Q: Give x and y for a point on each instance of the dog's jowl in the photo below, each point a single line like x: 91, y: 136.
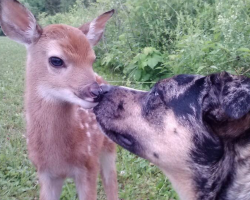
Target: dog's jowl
x: 195, y: 128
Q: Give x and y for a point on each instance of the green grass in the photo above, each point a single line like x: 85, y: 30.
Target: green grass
x: 137, y: 178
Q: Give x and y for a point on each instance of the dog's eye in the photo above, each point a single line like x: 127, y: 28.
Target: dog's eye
x: 56, y: 62
x: 156, y: 94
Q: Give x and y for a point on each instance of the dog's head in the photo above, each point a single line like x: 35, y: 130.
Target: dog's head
x: 182, y: 124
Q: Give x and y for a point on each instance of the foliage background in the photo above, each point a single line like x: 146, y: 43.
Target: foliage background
x: 146, y: 40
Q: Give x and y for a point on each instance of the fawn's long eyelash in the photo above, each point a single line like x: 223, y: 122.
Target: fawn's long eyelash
x: 56, y: 62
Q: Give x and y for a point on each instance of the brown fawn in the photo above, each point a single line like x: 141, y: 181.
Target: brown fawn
x: 63, y: 138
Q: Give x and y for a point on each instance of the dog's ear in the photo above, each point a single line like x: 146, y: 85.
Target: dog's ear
x: 229, y: 95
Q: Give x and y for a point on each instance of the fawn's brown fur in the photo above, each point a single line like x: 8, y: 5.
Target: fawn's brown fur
x: 63, y: 138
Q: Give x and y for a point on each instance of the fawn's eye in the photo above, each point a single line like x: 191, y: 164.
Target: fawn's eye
x: 56, y: 62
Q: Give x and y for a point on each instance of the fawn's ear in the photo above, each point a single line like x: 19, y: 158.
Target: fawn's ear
x: 18, y: 23
x: 94, y: 29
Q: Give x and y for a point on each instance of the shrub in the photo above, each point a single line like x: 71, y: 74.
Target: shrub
x: 148, y: 40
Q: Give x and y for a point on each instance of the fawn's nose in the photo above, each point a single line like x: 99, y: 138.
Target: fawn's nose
x: 95, y: 90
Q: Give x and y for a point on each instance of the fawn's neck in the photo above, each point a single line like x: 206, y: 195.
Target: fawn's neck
x: 48, y: 117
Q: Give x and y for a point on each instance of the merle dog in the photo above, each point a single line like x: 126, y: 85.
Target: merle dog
x: 196, y: 129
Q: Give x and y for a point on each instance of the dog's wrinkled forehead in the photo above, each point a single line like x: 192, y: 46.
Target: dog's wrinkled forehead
x: 181, y: 93
x: 178, y: 85
x: 185, y: 94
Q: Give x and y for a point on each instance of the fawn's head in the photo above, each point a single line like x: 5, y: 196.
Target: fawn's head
x: 60, y: 57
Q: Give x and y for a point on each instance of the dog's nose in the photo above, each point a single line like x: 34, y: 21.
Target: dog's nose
x: 105, y: 88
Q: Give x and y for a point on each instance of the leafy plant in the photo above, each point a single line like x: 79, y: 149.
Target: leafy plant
x: 184, y: 36
x: 145, y: 66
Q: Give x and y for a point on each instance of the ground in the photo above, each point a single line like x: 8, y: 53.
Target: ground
x: 138, y: 179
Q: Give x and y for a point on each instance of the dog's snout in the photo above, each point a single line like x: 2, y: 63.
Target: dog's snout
x: 105, y: 88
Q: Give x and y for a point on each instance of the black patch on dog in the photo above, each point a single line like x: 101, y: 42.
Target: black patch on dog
x: 183, y: 79
x: 120, y: 105
x: 181, y: 105
x: 156, y: 155
x: 153, y: 109
x: 226, y: 183
x: 213, y: 181
x: 208, y: 150
x: 153, y: 101
x: 243, y: 139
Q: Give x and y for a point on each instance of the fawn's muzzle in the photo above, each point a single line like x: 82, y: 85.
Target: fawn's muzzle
x: 99, y: 90
x: 95, y: 90
x: 90, y: 93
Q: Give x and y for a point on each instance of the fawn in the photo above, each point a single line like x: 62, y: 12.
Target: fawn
x: 63, y: 138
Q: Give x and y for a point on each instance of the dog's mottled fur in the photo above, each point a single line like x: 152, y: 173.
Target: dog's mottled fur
x: 195, y: 128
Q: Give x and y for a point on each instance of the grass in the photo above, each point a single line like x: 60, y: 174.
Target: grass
x: 137, y: 178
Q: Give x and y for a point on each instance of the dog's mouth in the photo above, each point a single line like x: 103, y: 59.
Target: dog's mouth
x: 124, y: 140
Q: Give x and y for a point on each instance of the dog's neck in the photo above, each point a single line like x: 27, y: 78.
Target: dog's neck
x: 239, y: 188
x: 228, y: 179
x: 182, y: 183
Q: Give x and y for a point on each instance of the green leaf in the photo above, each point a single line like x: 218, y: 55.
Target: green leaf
x: 214, y: 67
x: 158, y: 57
x: 148, y: 50
x: 173, y: 57
x: 243, y: 49
x: 153, y: 61
x: 146, y: 77
x: 200, y: 69
x: 137, y: 75
x: 122, y: 37
x: 129, y: 68
x: 144, y: 64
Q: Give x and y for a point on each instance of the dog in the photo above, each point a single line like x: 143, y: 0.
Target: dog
x: 196, y: 129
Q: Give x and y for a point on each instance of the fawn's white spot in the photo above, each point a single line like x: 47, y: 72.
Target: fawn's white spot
x: 81, y: 125
x: 86, y: 125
